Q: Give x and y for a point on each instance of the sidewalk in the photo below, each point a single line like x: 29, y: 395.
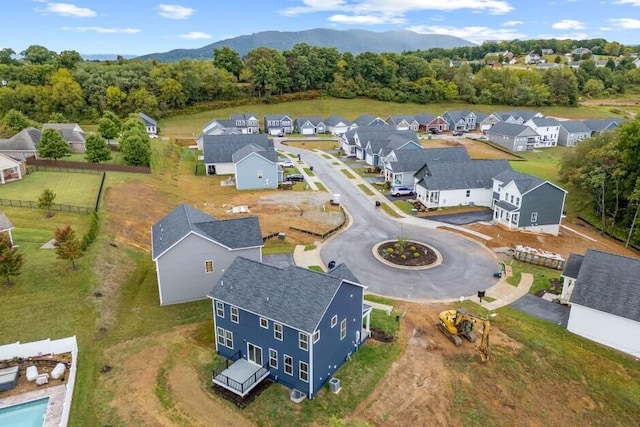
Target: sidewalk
x: 306, y: 259
x: 505, y: 294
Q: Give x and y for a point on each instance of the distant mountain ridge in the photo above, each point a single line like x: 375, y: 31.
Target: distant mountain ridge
x: 354, y: 41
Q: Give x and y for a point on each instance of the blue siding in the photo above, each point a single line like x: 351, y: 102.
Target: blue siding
x: 247, y: 173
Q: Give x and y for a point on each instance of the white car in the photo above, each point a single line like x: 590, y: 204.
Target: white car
x: 401, y: 191
x: 286, y: 163
x: 153, y: 136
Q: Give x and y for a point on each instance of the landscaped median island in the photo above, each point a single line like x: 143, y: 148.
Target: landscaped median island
x: 406, y: 253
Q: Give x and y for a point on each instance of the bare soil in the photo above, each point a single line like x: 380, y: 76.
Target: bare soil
x: 476, y: 149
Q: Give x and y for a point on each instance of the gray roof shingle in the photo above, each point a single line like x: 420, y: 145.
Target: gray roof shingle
x: 461, y: 175
x: 510, y: 129
x: 71, y: 132
x: 574, y: 126
x: 25, y: 140
x: 335, y: 119
x: 5, y: 224
x: 544, y: 121
x: 609, y: 283
x: 414, y: 160
x: 572, y: 266
x: 233, y: 233
x: 524, y: 182
x: 270, y: 155
x: 293, y: 296
x: 314, y: 120
x: 147, y: 120
x: 220, y: 148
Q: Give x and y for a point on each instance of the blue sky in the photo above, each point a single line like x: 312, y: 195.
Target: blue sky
x: 145, y: 26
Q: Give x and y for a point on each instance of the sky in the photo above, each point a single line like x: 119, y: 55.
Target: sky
x: 137, y: 27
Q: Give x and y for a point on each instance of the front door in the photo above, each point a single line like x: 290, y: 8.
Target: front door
x: 254, y: 354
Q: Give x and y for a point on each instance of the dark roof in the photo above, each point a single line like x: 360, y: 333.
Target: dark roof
x: 341, y: 271
x: 523, y: 114
x: 461, y: 175
x: 545, y: 121
x: 524, y: 182
x: 232, y: 233
x: 293, y: 296
x: 335, y: 119
x: 365, y: 119
x: 572, y: 266
x: 481, y: 116
x: 457, y: 115
x: 598, y: 125
x: 314, y: 120
x: 148, y: 120
x: 609, y: 283
x: 413, y: 160
x: 270, y: 155
x: 425, y: 119
x: 276, y: 116
x: 70, y: 132
x: 575, y: 126
x: 395, y: 119
x: 510, y: 129
x: 503, y: 204
x: 220, y: 148
x: 25, y: 140
x: 243, y: 116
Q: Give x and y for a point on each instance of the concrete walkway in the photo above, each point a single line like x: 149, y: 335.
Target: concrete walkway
x: 505, y: 294
x: 306, y: 259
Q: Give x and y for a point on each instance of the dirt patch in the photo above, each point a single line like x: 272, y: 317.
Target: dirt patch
x: 476, y: 149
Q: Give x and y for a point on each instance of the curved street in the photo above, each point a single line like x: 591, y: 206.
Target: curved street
x: 467, y: 267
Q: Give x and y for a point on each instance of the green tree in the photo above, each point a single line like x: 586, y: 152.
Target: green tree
x: 97, y: 149
x: 116, y: 99
x: 67, y: 245
x: 109, y: 125
x: 14, y: 121
x: 268, y: 70
x: 142, y: 100
x: 7, y: 56
x: 135, y: 144
x: 66, y: 94
x: 57, y: 117
x: 228, y: 59
x: 36, y: 54
x: 11, y: 261
x: 52, y: 145
x: 68, y: 59
x: 171, y: 93
x: 46, y: 200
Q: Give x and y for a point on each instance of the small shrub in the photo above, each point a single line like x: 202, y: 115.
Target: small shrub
x: 397, y: 245
x: 413, y: 248
x: 403, y: 256
x: 389, y: 251
x: 416, y: 255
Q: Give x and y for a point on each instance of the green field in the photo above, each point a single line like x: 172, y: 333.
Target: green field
x: 78, y: 189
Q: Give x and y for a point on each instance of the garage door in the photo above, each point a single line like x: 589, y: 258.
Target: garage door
x: 307, y: 131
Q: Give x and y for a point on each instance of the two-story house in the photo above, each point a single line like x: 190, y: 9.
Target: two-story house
x: 460, y: 120
x: 548, y: 130
x: 278, y: 124
x: 571, y: 132
x: 512, y: 136
x: 293, y: 325
x: 246, y: 122
x: 192, y: 250
x: 338, y: 125
x: 532, y: 58
x: 428, y: 122
x: 400, y: 166
x: 309, y: 125
x: 524, y: 202
x: 403, y: 122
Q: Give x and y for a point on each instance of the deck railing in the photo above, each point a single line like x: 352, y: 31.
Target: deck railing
x: 236, y: 385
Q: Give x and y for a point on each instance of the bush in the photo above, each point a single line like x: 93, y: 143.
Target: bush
x: 403, y: 256
x: 92, y: 233
x: 413, y: 248
x: 416, y: 255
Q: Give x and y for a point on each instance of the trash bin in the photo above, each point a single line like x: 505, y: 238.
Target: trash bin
x: 310, y: 168
x: 377, y: 203
x: 281, y: 236
x: 331, y: 265
x: 414, y: 211
x: 429, y: 137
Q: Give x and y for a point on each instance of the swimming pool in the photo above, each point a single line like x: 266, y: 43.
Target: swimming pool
x: 30, y: 414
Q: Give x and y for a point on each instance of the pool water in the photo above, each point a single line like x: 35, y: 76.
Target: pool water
x: 30, y: 414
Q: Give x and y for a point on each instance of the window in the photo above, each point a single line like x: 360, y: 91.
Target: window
x: 334, y: 320
x: 277, y: 331
x: 264, y: 323
x: 343, y: 329
x: 260, y: 174
x: 288, y: 365
x: 303, y: 341
x: 316, y: 337
x: 511, y: 199
x: 208, y: 266
x: 534, y: 217
x: 517, y: 201
x: 220, y: 334
x: 229, y: 338
x: 234, y: 314
x: 220, y: 309
x: 304, y: 371
x: 273, y: 358
x: 468, y: 193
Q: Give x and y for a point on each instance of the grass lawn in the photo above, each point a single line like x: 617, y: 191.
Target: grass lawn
x: 309, y: 171
x: 347, y: 173
x: 321, y: 187
x: 389, y: 211
x: 79, y: 189
x: 541, y: 275
x: 543, y: 163
x: 365, y: 189
x: 404, y: 206
x: 276, y: 246
x: 324, y: 145
x: 116, y: 158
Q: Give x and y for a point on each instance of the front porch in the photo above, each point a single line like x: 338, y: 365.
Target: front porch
x: 241, y: 377
x: 506, y: 214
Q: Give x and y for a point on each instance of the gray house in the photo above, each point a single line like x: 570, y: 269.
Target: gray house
x: 309, y: 125
x: 369, y: 120
x: 605, y: 302
x: 192, y: 250
x: 524, y: 202
x: 460, y: 120
x: 338, y: 125
x: 512, y: 136
x: 602, y: 125
x: 401, y: 165
x: 572, y: 132
x: 22, y: 145
x: 246, y: 122
x: 460, y: 183
x: 251, y: 159
x: 278, y: 124
x: 70, y: 132
x: 404, y: 122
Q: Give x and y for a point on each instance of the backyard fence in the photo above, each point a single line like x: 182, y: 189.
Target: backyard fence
x: 56, y: 207
x: 326, y: 234
x: 104, y: 177
x: 82, y: 167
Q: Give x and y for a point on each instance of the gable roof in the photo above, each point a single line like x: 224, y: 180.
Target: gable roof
x: 147, y: 120
x: 460, y: 175
x: 7, y: 162
x: 71, y: 132
x: 248, y: 149
x: 545, y: 121
x: 314, y: 120
x: 598, y: 125
x: 366, y: 119
x: 572, y: 266
x: 293, y: 296
x: 574, y: 126
x: 276, y: 116
x: 523, y: 182
x: 220, y: 148
x: 233, y: 233
x: 25, y: 140
x: 396, y: 119
x: 608, y: 282
x: 5, y: 224
x: 335, y: 119
x: 425, y: 119
x: 457, y: 115
x: 414, y: 160
x: 525, y: 115
x: 511, y: 129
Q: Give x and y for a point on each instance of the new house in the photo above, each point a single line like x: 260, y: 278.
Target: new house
x: 293, y: 325
x: 338, y: 125
x: 251, y: 159
x: 247, y: 123
x: 524, y: 202
x: 548, y: 130
x: 571, y: 132
x: 309, y: 125
x: 460, y: 120
x: 404, y: 122
x: 192, y: 250
x: 602, y: 125
x: 512, y: 136
x: 468, y: 183
x: 369, y: 120
x: 217, y: 127
x: 400, y: 166
x: 70, y: 132
x: 371, y: 143
x: 605, y: 302
x: 22, y: 145
x: 150, y: 124
x: 427, y: 122
x: 278, y: 124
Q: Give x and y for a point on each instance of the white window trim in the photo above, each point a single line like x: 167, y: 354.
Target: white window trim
x: 303, y: 341
x: 334, y: 321
x: 273, y: 359
x: 300, y: 371
x: 206, y: 268
x: 316, y: 336
x: 534, y: 216
x: 343, y: 329
x: 220, y: 309
x: 229, y: 336
x: 275, y: 331
x: 221, y: 336
x: 264, y: 325
x: 284, y: 364
x: 236, y: 315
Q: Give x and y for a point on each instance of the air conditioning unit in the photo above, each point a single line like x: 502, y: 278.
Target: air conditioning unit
x: 334, y: 385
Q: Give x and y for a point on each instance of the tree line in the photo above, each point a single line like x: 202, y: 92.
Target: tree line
x: 39, y: 82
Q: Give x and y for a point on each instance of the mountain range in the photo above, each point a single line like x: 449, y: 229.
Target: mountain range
x: 354, y: 41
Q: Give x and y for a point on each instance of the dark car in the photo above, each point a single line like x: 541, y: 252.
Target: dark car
x: 458, y: 133
x: 294, y: 177
x: 435, y: 131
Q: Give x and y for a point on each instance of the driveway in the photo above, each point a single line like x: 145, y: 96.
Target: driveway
x: 543, y: 309
x: 463, y: 217
x: 466, y: 268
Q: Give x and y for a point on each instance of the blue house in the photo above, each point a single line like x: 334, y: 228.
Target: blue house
x: 292, y: 325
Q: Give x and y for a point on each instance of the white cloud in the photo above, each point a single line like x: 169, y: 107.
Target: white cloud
x: 68, y: 9
x: 626, y: 23
x: 629, y: 2
x: 476, y: 34
x: 366, y: 19
x: 512, y: 23
x: 174, y: 11
x: 568, y: 24
x: 102, y: 30
x: 194, y: 35
x: 566, y: 36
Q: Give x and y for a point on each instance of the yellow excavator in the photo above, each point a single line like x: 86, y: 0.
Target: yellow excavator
x: 459, y: 323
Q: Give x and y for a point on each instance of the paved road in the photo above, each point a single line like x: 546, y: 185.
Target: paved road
x: 543, y: 309
x: 464, y: 217
x: 466, y: 268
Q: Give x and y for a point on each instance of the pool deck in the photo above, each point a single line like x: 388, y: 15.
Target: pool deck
x: 56, y: 397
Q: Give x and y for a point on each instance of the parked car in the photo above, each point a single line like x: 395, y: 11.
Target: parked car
x: 286, y: 163
x: 401, y: 191
x: 294, y: 177
x: 153, y: 136
x: 435, y: 131
x: 458, y: 133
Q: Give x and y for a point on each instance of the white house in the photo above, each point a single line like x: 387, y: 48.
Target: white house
x: 547, y: 128
x: 605, y: 302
